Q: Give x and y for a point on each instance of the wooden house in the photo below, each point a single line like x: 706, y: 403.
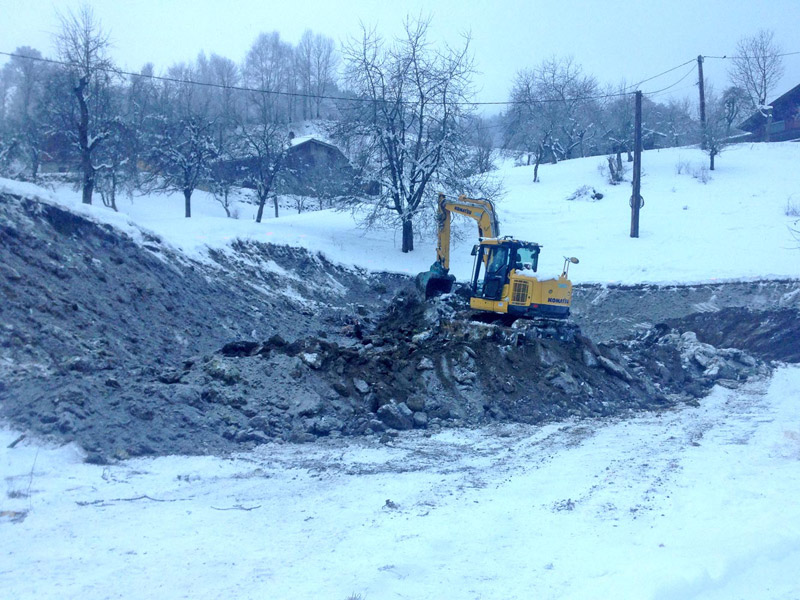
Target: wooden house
x: 785, y: 122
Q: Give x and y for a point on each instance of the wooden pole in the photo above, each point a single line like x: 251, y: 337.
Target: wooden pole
x: 636, y: 197
x: 701, y: 85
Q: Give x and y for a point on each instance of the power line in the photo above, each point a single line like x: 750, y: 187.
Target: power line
x: 238, y: 88
x: 692, y: 70
x: 337, y: 98
x: 636, y: 85
x: 749, y: 57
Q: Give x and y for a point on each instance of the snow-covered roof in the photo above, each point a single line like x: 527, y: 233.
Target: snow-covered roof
x: 304, y: 139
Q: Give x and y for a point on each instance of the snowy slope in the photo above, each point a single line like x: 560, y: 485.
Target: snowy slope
x: 733, y: 226
x: 694, y: 503
x: 690, y: 504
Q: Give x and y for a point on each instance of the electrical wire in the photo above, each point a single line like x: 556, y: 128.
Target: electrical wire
x: 361, y: 99
x: 653, y: 93
x: 749, y: 57
x: 325, y: 97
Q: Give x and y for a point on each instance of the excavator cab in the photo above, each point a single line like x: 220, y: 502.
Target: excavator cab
x: 496, y: 260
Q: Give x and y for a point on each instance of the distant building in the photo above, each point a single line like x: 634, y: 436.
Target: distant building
x: 316, y: 168
x: 785, y: 123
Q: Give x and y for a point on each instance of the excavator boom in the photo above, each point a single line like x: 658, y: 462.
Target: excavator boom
x: 438, y: 280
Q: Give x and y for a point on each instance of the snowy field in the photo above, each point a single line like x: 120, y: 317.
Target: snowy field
x: 693, y: 503
x: 734, y: 226
x: 697, y: 503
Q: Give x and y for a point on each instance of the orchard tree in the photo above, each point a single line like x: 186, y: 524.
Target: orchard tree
x: 757, y: 69
x: 737, y: 103
x: 82, y: 46
x: 716, y: 131
x: 181, y: 137
x: 26, y: 77
x: 408, y: 114
x: 530, y: 124
x: 262, y: 131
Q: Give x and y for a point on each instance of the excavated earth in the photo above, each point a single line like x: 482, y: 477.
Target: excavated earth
x: 129, y: 348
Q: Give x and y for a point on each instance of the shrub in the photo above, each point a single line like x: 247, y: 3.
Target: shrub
x: 792, y: 207
x: 682, y: 166
x: 585, y: 193
x: 701, y: 174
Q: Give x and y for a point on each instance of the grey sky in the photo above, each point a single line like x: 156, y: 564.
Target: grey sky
x: 611, y: 39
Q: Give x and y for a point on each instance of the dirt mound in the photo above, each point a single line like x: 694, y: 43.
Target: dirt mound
x: 129, y: 348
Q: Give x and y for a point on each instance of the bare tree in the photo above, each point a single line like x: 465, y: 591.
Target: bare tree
x: 262, y: 132
x: 408, y: 118
x: 315, y: 60
x: 570, y: 94
x: 482, y: 144
x: 530, y: 123
x: 261, y: 150
x: 82, y: 46
x: 736, y: 103
x: 26, y: 75
x: 674, y: 119
x: 268, y: 67
x: 181, y: 137
x: 715, y: 134
x: 227, y: 107
x: 757, y: 68
x: 324, y: 61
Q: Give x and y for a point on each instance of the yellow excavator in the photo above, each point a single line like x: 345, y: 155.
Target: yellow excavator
x: 504, y: 279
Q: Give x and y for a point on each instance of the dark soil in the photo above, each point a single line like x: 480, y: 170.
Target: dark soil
x: 771, y: 335
x: 129, y: 348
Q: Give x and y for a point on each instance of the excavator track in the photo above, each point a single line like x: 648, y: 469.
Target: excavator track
x: 558, y: 329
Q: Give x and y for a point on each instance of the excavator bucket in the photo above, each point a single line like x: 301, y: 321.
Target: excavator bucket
x: 435, y: 282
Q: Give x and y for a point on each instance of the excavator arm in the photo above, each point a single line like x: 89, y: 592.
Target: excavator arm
x: 481, y: 210
x: 438, y: 279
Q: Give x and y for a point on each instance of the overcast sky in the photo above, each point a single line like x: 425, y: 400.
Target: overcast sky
x: 613, y: 40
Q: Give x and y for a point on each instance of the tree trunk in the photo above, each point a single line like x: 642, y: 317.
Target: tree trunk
x: 767, y: 126
x: 187, y: 197
x: 275, y: 204
x: 408, y: 235
x: 712, y: 154
x: 536, y: 170
x: 261, y: 201
x: 619, y: 162
x: 83, y: 143
x: 88, y: 177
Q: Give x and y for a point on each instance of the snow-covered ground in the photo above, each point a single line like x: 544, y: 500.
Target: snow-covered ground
x: 734, y: 226
x: 692, y: 503
x: 689, y: 504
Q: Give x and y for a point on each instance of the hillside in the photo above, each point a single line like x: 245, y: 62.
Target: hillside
x: 349, y: 440
x: 732, y: 227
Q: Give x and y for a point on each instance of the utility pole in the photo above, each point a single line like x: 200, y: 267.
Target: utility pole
x: 701, y: 84
x: 636, y: 197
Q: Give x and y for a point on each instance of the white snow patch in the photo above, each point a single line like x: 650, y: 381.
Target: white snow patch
x: 696, y: 503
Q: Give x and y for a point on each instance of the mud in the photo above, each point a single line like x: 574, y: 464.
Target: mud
x: 129, y: 348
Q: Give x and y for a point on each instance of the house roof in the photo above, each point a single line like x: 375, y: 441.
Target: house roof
x: 306, y: 139
x: 757, y: 119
